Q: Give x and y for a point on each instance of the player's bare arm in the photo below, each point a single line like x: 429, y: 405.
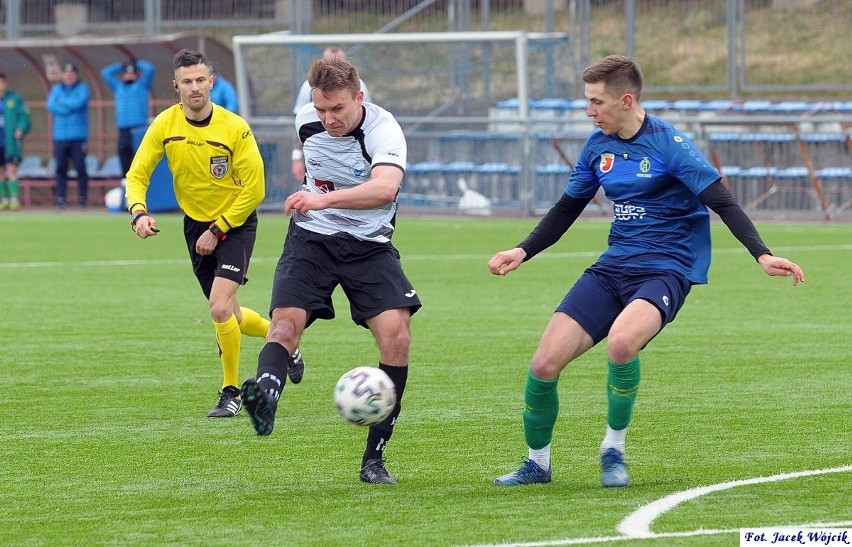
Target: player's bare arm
x: 776, y: 265
x: 382, y: 188
x: 506, y: 261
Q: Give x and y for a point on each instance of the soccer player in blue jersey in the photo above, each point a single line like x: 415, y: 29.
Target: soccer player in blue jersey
x: 660, y: 186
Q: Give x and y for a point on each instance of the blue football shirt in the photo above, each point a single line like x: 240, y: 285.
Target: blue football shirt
x: 653, y: 180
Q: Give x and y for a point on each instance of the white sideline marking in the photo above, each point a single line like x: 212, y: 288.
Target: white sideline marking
x: 411, y: 257
x: 637, y: 525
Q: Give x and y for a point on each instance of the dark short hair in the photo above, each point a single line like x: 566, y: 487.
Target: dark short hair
x: 334, y: 74
x: 3, y: 76
x: 618, y: 73
x: 186, y: 57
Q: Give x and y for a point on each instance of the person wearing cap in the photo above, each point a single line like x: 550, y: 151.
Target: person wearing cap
x: 223, y: 92
x: 131, y: 83
x: 68, y: 101
x: 15, y: 122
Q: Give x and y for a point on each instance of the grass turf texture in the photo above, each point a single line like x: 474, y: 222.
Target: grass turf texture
x: 109, y: 367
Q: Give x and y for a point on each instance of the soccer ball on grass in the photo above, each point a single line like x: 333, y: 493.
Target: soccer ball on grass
x: 365, y: 396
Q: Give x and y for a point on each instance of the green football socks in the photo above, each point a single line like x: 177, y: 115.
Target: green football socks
x: 621, y: 388
x: 541, y: 407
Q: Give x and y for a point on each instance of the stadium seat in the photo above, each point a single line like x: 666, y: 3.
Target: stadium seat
x: 50, y: 168
x: 111, y: 169
x: 32, y: 168
x: 92, y: 164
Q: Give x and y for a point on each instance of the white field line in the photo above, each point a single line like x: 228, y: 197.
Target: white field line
x: 637, y: 525
x: 405, y: 258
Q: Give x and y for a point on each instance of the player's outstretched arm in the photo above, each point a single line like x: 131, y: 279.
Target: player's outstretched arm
x: 776, y: 265
x: 506, y: 261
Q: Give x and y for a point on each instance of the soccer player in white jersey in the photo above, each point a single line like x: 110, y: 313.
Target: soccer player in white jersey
x: 340, y: 234
x: 297, y: 165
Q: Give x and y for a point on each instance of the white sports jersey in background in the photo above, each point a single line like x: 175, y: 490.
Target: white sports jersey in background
x: 338, y: 163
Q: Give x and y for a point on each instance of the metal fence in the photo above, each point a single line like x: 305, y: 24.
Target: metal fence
x: 481, y: 142
x: 495, y: 128
x: 711, y: 47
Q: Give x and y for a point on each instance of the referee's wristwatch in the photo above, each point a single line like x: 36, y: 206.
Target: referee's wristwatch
x: 216, y: 231
x: 136, y: 216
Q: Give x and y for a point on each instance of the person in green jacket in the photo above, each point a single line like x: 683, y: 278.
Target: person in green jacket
x: 14, y: 124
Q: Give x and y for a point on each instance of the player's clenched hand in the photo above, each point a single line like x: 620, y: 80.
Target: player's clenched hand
x: 506, y: 261
x: 303, y: 201
x: 776, y: 265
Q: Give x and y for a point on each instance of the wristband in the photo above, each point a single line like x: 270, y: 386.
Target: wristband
x: 216, y: 231
x: 135, y: 217
x: 296, y: 155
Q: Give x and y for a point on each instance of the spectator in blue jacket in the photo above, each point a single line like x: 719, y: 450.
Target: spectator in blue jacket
x: 223, y: 93
x: 131, y: 83
x: 68, y: 101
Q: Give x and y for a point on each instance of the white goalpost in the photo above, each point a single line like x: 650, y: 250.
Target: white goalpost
x: 480, y: 92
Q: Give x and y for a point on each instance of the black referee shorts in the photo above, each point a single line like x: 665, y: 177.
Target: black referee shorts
x: 313, y: 265
x: 231, y: 257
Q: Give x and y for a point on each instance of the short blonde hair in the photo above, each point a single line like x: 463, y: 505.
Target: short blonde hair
x: 334, y: 74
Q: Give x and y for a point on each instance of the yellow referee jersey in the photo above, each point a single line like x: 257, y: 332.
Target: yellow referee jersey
x: 217, y: 168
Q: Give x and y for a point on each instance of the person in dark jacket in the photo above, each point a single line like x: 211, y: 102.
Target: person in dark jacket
x: 68, y: 101
x: 131, y: 83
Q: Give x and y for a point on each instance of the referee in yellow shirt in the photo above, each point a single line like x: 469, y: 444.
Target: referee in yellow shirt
x: 218, y: 182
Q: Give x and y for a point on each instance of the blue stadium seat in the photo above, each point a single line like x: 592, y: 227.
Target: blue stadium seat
x: 32, y: 168
x: 688, y: 104
x: 92, y: 164
x: 719, y: 105
x: 756, y: 106
x: 656, y: 105
x: 111, y: 169
x: 793, y: 106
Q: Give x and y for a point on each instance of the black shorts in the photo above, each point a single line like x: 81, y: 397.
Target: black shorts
x: 5, y: 160
x: 231, y: 257
x: 313, y: 265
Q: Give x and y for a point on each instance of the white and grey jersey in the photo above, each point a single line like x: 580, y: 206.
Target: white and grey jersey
x: 338, y: 163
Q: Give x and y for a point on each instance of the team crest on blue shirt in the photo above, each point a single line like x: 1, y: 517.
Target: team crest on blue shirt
x: 219, y: 166
x: 607, y: 161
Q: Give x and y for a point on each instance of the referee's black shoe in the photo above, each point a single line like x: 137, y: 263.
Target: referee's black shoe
x: 260, y: 408
x: 297, y: 367
x: 228, y: 405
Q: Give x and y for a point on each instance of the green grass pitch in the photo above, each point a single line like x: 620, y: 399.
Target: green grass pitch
x: 109, y: 367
